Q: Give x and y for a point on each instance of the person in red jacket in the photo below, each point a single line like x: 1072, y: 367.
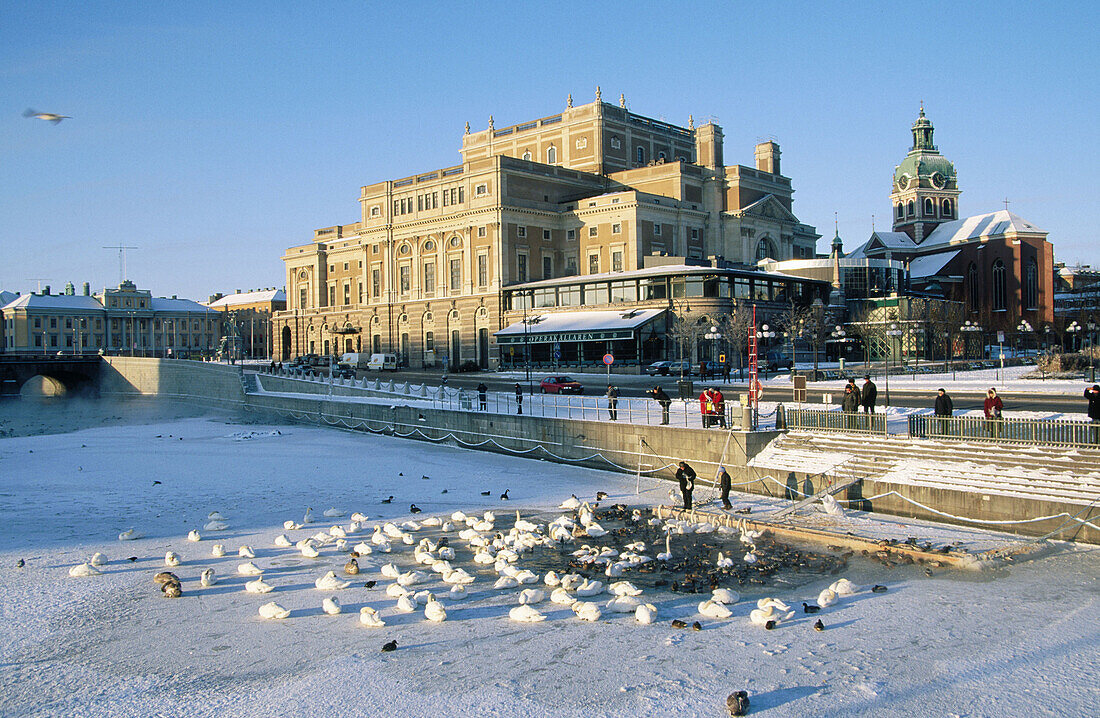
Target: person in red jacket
x: 993, y: 407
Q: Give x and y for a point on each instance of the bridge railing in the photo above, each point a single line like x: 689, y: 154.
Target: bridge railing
x: 849, y: 422
x: 1051, y: 432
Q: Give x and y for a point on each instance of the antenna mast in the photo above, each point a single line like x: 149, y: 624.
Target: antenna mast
x: 121, y: 260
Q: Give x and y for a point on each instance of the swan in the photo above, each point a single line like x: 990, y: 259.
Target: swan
x: 446, y: 553
x: 422, y: 597
x: 308, y: 518
x: 586, y: 611
x: 215, y: 516
x: 396, y: 590
x: 282, y: 541
x: 584, y: 514
x: 83, y: 570
x: 505, y: 582
x: 258, y: 586
x: 831, y: 506
x: 571, y: 581
x: 331, y: 606
x: 309, y: 551
x: 723, y: 561
x: 411, y: 578
x: 384, y: 546
x: 625, y: 588
x: 713, y: 609
x: 532, y: 595
x: 457, y: 592
x: 330, y: 582
x: 844, y: 587
x: 447, y: 527
x: 764, y: 616
x: 334, y: 513
x: 337, y: 532
x: 369, y: 618
x: 362, y: 548
x: 594, y: 530
x: 273, y: 610
x: 571, y: 503
x: 434, y: 611
x: 129, y: 535
x: 432, y: 521
x: 458, y: 517
x: 217, y: 550
x: 406, y: 604
x: 779, y: 605
x: 526, y: 576
x: 193, y: 535
x: 458, y: 577
x: 590, y: 588
x: 215, y: 526
x: 390, y: 570
x: 750, y: 558
x: 668, y: 548
x: 321, y: 537
x: 172, y: 559
x: 441, y: 567
x: 561, y: 597
x: 98, y: 559
x: 623, y: 604
x: 645, y: 613
x: 411, y: 525
x: 359, y: 518
x: 826, y: 598
x: 524, y: 524
x: 207, y: 578
x: 246, y: 552
x: 249, y: 569
x: 614, y: 570
x: 705, y: 528
x: 525, y: 614
x: 551, y: 579
x: 725, y: 595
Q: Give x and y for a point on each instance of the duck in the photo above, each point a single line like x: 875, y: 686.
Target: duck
x: 282, y: 541
x: 532, y: 595
x: 714, y: 609
x: 457, y: 592
x: 274, y: 611
x: 369, y: 618
x: 246, y: 552
x: 645, y: 614
x: 330, y: 605
x: 258, y: 586
x: 98, y: 559
x: 165, y: 577
x: 83, y: 570
x: 249, y: 569
x: 725, y: 596
x: 878, y: 589
x: 526, y: 614
x: 623, y: 604
x: 351, y: 568
x: 129, y: 535
x: 406, y: 604
x: 309, y: 551
x: 586, y: 611
x: 819, y: 626
x: 434, y: 611
x: 667, y: 554
x: 826, y: 598
x: 329, y: 582
x: 193, y: 535
x: 217, y: 550
x: 737, y: 703
x: 172, y: 559
x: 844, y: 587
x: 207, y: 578
x: 810, y: 608
x: 172, y: 590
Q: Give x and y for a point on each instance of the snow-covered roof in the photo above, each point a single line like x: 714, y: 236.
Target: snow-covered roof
x: 929, y: 265
x: 257, y: 297
x: 7, y: 298
x: 164, y: 304
x: 994, y: 224
x: 577, y: 326
x: 889, y: 240
x: 68, y: 302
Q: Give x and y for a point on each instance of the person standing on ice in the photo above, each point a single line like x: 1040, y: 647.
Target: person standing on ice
x: 868, y: 395
x: 519, y: 398
x: 724, y: 485
x: 944, y: 408
x: 686, y: 476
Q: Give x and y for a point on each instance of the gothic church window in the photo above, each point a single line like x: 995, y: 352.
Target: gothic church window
x: 901, y: 211
x: 929, y: 207
x: 1031, y: 285
x: 1000, y: 293
x: 911, y: 208
x: 947, y: 208
x: 973, y: 286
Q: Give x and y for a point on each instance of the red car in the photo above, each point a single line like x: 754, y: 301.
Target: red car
x: 560, y: 385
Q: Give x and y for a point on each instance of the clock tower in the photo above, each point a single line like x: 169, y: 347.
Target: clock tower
x: 925, y: 193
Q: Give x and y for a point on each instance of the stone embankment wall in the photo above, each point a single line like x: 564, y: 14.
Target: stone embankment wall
x: 599, y: 444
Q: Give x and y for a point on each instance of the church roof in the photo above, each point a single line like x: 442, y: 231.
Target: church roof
x: 929, y: 265
x: 887, y: 240
x: 994, y: 224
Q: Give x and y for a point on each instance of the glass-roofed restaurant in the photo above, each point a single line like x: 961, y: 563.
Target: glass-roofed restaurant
x: 575, y: 321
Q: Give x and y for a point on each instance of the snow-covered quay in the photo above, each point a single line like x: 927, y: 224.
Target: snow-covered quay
x: 1020, y: 639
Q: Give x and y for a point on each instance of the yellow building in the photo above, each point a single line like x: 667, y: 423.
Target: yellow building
x: 591, y: 190
x: 248, y: 318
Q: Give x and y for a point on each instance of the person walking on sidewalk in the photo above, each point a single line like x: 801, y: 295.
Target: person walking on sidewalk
x: 664, y: 400
x: 869, y: 394
x: 724, y: 485
x: 686, y: 476
x: 943, y: 408
x: 519, y: 398
x: 483, y: 397
x: 993, y: 408
x: 613, y: 402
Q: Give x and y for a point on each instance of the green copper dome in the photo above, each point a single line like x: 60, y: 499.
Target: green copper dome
x: 924, y: 164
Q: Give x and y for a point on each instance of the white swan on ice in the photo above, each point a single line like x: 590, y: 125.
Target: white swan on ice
x: 457, y: 592
x: 129, y: 535
x: 331, y: 606
x: 193, y: 535
x: 725, y: 595
x: 526, y: 614
x: 172, y: 559
x: 249, y: 569
x: 98, y: 559
x: 645, y: 613
x: 259, y: 586
x: 532, y: 595
x: 586, y: 611
x: 273, y: 610
x: 406, y: 604
x: 826, y: 598
x: 83, y: 570
x: 215, y: 526
x: 369, y: 618
x: 571, y: 503
x: 623, y: 604
x: 844, y: 587
x: 713, y: 609
x: 562, y: 597
x: 334, y: 513
x: 625, y: 588
x: 434, y: 611
x: 762, y: 616
x: 207, y: 578
x: 282, y: 541
x: 308, y: 551
x: 390, y: 570
x: 779, y: 605
x: 329, y: 582
x: 590, y: 588
x: 217, y: 550
x: 246, y: 552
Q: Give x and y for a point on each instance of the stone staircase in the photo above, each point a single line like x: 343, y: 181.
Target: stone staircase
x: 249, y: 382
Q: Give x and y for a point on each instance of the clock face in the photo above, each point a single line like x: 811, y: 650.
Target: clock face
x: 938, y: 180
x: 903, y: 181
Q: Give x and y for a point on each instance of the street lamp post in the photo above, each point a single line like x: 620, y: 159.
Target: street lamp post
x: 1092, y: 351
x: 1023, y: 327
x: 839, y: 335
x: 968, y: 328
x: 765, y: 333
x: 893, y: 331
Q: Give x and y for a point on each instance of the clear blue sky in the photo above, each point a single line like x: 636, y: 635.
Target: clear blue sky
x: 215, y: 135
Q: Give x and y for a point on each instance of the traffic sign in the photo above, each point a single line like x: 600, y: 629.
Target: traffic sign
x: 608, y: 359
x: 721, y: 358
x: 799, y: 388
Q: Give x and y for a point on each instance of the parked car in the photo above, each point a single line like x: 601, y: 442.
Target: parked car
x: 658, y: 367
x: 776, y: 361
x: 382, y: 362
x: 713, y: 368
x: 674, y: 368
x: 560, y: 385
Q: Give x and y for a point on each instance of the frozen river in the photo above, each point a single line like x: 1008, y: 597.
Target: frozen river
x: 1023, y: 640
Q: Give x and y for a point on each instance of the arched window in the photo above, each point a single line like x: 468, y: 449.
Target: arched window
x: 929, y: 207
x: 1031, y: 284
x: 527, y: 155
x: 901, y: 210
x: 764, y: 250
x: 1000, y: 287
x: 947, y: 208
x: 639, y: 153
x: 973, y: 287
x: 911, y: 208
x: 551, y: 155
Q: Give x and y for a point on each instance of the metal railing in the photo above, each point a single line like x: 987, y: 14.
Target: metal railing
x: 819, y: 420
x: 1021, y: 431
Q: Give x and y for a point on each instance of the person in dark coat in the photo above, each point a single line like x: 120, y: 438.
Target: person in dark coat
x: 944, y: 407
x: 664, y: 400
x: 855, y: 390
x: 482, y: 397
x: 519, y: 398
x: 613, y: 402
x: 1093, y: 397
x: 868, y: 395
x: 686, y: 476
x: 724, y: 487
x: 850, y: 405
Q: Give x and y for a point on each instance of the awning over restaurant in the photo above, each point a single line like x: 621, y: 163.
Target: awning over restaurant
x: 577, y: 326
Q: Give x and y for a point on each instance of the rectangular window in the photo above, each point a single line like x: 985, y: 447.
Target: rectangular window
x: 570, y: 234
x: 404, y: 278
x: 359, y: 293
x: 429, y: 277
x: 695, y: 234
x: 345, y: 266
x: 53, y: 322
x: 376, y: 283
x: 37, y: 323
x: 481, y: 231
x: 547, y: 267
x: 456, y: 275
x: 482, y: 270
x: 347, y: 293
x: 521, y: 232
x: 419, y: 202
x: 435, y: 200
x: 446, y: 198
x: 593, y: 231
x: 570, y: 265
x: 616, y: 261
x: 332, y: 295
x: 429, y: 341
x: 593, y: 264
x: 546, y: 234
x: 521, y: 267
x: 481, y: 189
x: 657, y: 229
x: 461, y: 199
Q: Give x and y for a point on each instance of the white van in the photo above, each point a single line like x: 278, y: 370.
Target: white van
x: 382, y: 362
x: 354, y: 360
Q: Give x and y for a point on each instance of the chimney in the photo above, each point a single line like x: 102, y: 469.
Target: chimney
x: 708, y: 146
x: 46, y: 291
x: 87, y: 289
x: 767, y: 157
x: 70, y: 290
x: 237, y: 291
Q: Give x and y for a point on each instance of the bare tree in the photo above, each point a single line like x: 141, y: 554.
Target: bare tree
x: 735, y: 328
x: 685, y: 329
